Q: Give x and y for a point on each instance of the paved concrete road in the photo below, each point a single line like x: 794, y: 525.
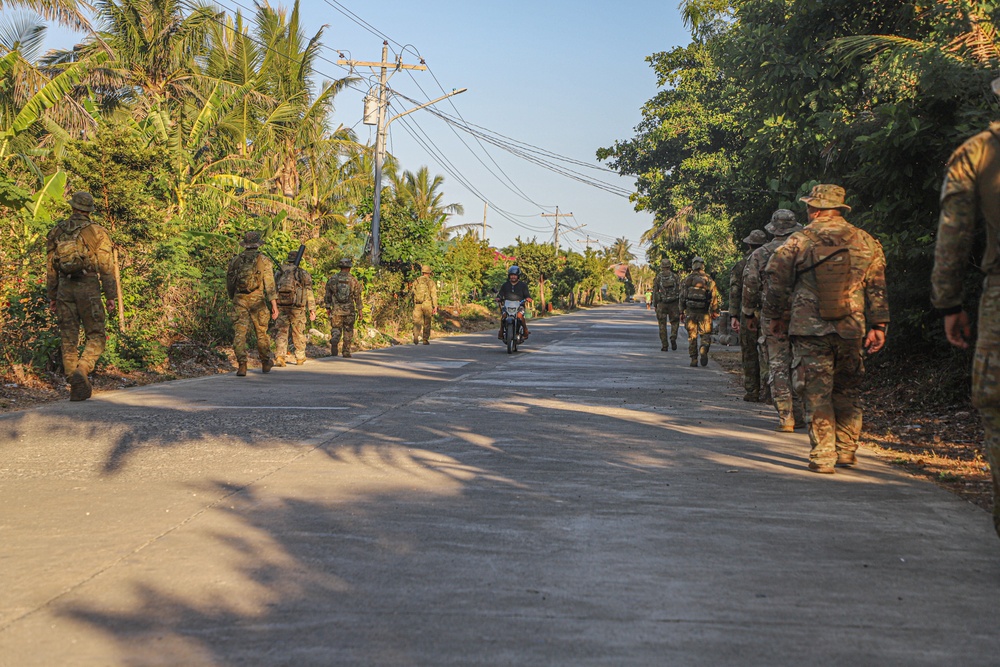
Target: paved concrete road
x: 588, y: 501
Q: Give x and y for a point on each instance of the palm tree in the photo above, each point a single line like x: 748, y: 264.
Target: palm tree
x: 424, y: 194
x: 620, y: 252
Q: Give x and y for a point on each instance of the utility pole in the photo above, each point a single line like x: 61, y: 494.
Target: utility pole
x: 486, y: 206
x: 589, y: 241
x: 383, y: 127
x: 557, y: 215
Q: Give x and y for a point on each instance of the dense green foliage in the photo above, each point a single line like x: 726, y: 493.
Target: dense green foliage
x: 773, y: 96
x: 191, y: 126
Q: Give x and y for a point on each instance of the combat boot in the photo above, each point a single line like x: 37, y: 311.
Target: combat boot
x: 673, y: 343
x: 664, y: 348
x: 280, y: 362
x: 704, y: 356
x: 786, y: 422
x: 416, y: 340
x: 79, y: 385
x: 822, y: 469
x: 300, y: 361
x: 426, y: 342
x: 845, y: 459
x: 752, y: 397
x: 242, y: 370
x: 347, y: 354
x: 694, y: 362
x: 266, y: 364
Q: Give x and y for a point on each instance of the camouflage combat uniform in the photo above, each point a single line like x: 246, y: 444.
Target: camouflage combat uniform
x: 970, y: 202
x: 293, y: 315
x: 754, y: 371
x: 343, y: 301
x: 827, y: 354
x: 666, y: 300
x: 425, y: 302
x: 777, y: 354
x: 698, y: 316
x: 252, y: 302
x: 74, y: 286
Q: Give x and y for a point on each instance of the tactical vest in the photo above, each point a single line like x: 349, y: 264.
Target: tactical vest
x: 246, y: 277
x: 830, y: 259
x: 73, y: 255
x: 699, y: 295
x: 667, y: 287
x: 291, y: 290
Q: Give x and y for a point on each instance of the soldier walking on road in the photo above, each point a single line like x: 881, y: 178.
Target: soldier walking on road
x: 295, y: 297
x: 79, y: 265
x: 970, y: 203
x: 425, y: 304
x: 250, y: 284
x: 700, y: 299
x: 752, y: 375
x: 666, y: 299
x: 826, y: 287
x: 343, y: 302
x: 776, y: 354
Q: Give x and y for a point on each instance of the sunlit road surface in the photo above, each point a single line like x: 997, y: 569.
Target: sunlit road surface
x: 589, y: 500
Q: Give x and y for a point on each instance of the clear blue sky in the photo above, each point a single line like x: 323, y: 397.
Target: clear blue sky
x: 565, y: 76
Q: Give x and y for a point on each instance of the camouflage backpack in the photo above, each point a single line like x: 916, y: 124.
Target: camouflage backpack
x: 246, y: 278
x: 831, y: 260
x: 698, y: 295
x: 72, y: 253
x: 421, y: 292
x: 667, y: 288
x: 342, y: 290
x: 290, y: 288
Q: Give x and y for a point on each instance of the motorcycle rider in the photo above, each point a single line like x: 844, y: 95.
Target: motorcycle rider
x: 514, y: 290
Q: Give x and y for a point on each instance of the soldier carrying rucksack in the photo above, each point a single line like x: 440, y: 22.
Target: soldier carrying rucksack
x: 79, y: 266
x: 295, y: 297
x: 700, y: 300
x: 665, y: 297
x: 343, y: 303
x: 425, y: 304
x: 250, y: 284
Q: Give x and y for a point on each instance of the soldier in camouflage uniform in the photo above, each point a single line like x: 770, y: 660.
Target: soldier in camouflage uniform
x: 666, y: 299
x: 250, y: 284
x: 752, y: 367
x: 79, y: 265
x: 343, y: 302
x: 425, y: 304
x: 777, y: 354
x: 700, y: 299
x: 826, y: 287
x: 970, y: 204
x: 295, y: 297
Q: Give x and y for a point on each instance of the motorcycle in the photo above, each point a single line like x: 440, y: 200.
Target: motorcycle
x: 513, y: 326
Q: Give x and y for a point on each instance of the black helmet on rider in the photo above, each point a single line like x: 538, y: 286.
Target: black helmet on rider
x: 514, y: 271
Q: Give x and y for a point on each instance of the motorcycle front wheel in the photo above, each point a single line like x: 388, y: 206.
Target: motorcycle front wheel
x: 509, y: 337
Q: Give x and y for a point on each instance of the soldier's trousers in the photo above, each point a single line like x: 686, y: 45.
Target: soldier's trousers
x: 699, y: 328
x: 750, y: 358
x: 986, y: 381
x: 827, y: 373
x: 779, y: 359
x: 251, y: 310
x: 341, y: 329
x: 78, y: 303
x: 422, y: 320
x: 294, y: 319
x: 668, y: 313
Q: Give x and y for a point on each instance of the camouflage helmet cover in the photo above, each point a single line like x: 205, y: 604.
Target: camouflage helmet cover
x: 665, y: 263
x: 292, y: 256
x: 345, y: 263
x: 783, y: 223
x: 756, y: 237
x: 251, y: 240
x: 82, y: 201
x: 697, y: 261
x: 425, y: 268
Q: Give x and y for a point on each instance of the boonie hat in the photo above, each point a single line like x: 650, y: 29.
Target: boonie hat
x: 756, y: 237
x: 783, y: 223
x: 82, y: 201
x: 251, y: 240
x: 826, y: 196
x: 425, y: 268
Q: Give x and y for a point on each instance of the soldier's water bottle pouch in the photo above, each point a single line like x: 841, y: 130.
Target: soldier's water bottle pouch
x: 831, y: 261
x: 289, y: 288
x: 247, y: 278
x: 72, y: 254
x: 698, y: 296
